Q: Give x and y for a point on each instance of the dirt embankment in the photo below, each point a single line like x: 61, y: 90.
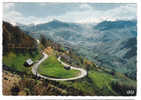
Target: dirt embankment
x: 9, y: 80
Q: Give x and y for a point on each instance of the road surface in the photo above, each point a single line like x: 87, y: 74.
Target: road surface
x: 45, y: 56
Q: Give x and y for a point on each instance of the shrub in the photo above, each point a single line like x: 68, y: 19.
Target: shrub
x: 14, y: 90
x: 125, y: 88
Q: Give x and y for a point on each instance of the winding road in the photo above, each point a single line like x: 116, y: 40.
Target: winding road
x: 45, y: 56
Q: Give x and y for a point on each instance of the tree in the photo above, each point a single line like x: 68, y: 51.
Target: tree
x: 43, y: 40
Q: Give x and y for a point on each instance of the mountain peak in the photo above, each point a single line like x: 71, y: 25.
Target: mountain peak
x: 56, y: 21
x: 106, y: 25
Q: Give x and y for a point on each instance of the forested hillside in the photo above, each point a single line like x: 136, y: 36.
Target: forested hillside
x: 14, y: 38
x: 17, y: 47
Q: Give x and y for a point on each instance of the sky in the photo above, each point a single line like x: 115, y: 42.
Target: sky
x: 36, y: 13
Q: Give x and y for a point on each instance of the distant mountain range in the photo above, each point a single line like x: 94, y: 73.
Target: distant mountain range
x: 109, y: 44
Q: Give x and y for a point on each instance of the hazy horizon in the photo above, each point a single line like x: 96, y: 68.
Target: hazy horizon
x: 36, y: 13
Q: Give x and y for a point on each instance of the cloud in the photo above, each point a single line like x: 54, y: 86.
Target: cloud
x: 126, y: 12
x: 8, y: 6
x: 80, y: 13
x: 9, y: 14
x: 85, y: 7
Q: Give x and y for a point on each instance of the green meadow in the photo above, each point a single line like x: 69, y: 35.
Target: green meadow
x: 52, y: 68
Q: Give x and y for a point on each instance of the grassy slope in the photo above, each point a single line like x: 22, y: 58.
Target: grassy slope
x: 16, y: 61
x: 100, y: 79
x: 51, y: 67
x: 96, y: 83
x: 102, y: 82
